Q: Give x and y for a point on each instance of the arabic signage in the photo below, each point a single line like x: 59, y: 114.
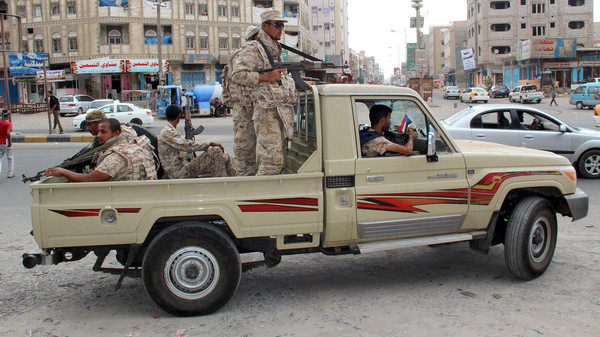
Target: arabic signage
x: 468, y: 59
x: 26, y: 63
x: 51, y: 75
x: 145, y: 66
x: 410, y: 59
x: 546, y: 48
x: 97, y: 67
x: 197, y: 59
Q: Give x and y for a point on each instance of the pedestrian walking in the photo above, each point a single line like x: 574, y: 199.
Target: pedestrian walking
x: 553, y: 94
x: 54, y: 106
x: 6, y: 143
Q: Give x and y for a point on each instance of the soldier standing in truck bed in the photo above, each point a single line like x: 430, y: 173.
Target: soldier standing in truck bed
x: 273, y: 93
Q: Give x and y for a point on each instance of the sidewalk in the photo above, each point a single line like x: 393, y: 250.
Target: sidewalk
x: 41, y: 138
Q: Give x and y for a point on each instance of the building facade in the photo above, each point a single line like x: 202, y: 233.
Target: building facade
x: 196, y: 38
x: 523, y: 39
x: 329, y: 29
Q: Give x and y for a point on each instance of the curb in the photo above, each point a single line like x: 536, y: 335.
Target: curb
x: 52, y: 138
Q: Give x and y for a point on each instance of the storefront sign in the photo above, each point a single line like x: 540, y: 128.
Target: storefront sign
x: 26, y: 63
x: 553, y: 48
x: 468, y: 59
x: 51, y: 75
x: 591, y: 63
x: 410, y: 58
x: 97, y: 67
x: 560, y: 65
x: 197, y: 59
x: 145, y: 66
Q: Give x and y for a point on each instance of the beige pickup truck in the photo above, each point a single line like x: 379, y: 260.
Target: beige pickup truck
x: 185, y: 237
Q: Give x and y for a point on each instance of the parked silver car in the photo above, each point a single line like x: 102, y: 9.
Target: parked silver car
x: 74, y: 104
x: 517, y: 125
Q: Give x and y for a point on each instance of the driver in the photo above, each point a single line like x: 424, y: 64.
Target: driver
x: 372, y: 140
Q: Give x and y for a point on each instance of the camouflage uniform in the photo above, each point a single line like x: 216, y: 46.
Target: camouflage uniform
x: 125, y: 161
x: 272, y: 103
x: 173, y: 149
x: 244, y: 136
x: 376, y: 146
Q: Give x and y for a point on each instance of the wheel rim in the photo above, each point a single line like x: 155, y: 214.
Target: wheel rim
x: 191, y: 273
x: 538, y: 240
x: 592, y: 165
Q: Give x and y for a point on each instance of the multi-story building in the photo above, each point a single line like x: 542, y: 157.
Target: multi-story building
x: 329, y: 29
x: 435, y: 51
x: 521, y: 39
x: 117, y: 37
x: 454, y: 38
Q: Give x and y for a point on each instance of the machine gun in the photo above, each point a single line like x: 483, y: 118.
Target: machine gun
x: 307, y: 66
x: 79, y: 161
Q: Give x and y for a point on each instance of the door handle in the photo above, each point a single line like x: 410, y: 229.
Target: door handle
x: 529, y: 137
x: 375, y: 179
x: 480, y: 135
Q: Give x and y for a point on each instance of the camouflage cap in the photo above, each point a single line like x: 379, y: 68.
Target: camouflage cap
x: 251, y: 31
x: 94, y: 116
x: 272, y: 15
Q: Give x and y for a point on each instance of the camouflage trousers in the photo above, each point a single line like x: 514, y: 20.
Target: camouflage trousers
x: 213, y: 161
x: 269, y: 141
x: 244, y: 140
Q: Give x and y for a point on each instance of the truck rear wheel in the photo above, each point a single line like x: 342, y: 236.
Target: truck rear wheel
x: 191, y: 268
x: 530, y: 238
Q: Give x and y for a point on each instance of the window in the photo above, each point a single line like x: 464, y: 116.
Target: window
x: 54, y: 8
x: 71, y: 7
x: 552, y: 24
x: 190, y: 40
x: 56, y: 45
x: 538, y: 30
x: 404, y: 109
x: 114, y: 37
x: 326, y: 26
x: 38, y: 44
x: 576, y: 24
x: 236, y: 41
x: 523, y: 25
x: 203, y: 40
x: 315, y: 10
x: 37, y: 11
x: 315, y: 28
x: 235, y: 10
x: 327, y: 44
x: 326, y: 10
x: 500, y: 49
x: 223, y: 41
x: 523, y: 2
x: 538, y: 8
x: 203, y: 8
x: 500, y: 27
x: 222, y: 8
x: 21, y: 11
x: 25, y: 46
x: 500, y: 4
x: 576, y: 3
x: 552, y: 2
x: 73, y: 41
x: 189, y: 8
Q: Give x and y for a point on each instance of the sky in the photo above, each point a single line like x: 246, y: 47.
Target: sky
x: 370, y: 23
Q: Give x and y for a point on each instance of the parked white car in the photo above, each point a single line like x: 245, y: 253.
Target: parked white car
x: 123, y: 112
x: 517, y: 125
x: 74, y: 104
x: 474, y: 95
x: 452, y: 92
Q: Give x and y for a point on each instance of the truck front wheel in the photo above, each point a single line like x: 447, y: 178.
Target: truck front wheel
x: 530, y: 238
x: 191, y: 269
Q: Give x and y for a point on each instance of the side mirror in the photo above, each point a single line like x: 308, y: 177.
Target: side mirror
x: 431, y: 150
x: 562, y: 128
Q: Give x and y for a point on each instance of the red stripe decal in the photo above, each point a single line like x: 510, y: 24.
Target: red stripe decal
x: 289, y: 201
x: 274, y: 208
x: 74, y: 213
x: 128, y: 210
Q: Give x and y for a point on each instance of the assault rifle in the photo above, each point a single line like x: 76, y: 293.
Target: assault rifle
x: 296, y: 67
x: 79, y: 161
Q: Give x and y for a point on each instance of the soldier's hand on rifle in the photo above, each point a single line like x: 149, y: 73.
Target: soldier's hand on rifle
x: 273, y: 76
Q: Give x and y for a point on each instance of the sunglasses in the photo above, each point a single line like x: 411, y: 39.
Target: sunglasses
x: 276, y: 24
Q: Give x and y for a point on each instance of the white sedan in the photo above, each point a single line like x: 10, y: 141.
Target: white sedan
x: 123, y: 112
x: 519, y: 126
x: 474, y: 95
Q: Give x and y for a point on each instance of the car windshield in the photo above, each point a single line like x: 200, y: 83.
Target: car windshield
x: 457, y: 116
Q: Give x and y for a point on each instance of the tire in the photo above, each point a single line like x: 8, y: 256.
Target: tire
x: 530, y: 238
x: 510, y: 99
x: 219, y: 111
x: 61, y: 114
x: 485, y: 101
x: 579, y: 105
x: 83, y: 126
x: 191, y: 268
x: 460, y: 98
x: 588, y: 164
x: 136, y: 121
x: 79, y: 111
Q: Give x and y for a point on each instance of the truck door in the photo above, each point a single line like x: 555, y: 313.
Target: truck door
x: 406, y: 196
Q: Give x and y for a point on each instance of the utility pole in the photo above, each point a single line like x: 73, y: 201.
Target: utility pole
x: 158, y: 4
x: 417, y: 5
x: 5, y: 56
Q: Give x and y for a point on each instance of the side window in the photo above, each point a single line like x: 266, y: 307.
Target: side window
x: 495, y: 120
x: 536, y: 122
x: 107, y: 109
x: 580, y: 90
x: 593, y: 90
x: 405, y: 114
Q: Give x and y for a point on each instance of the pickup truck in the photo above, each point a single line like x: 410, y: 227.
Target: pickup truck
x: 185, y: 236
x: 526, y: 93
